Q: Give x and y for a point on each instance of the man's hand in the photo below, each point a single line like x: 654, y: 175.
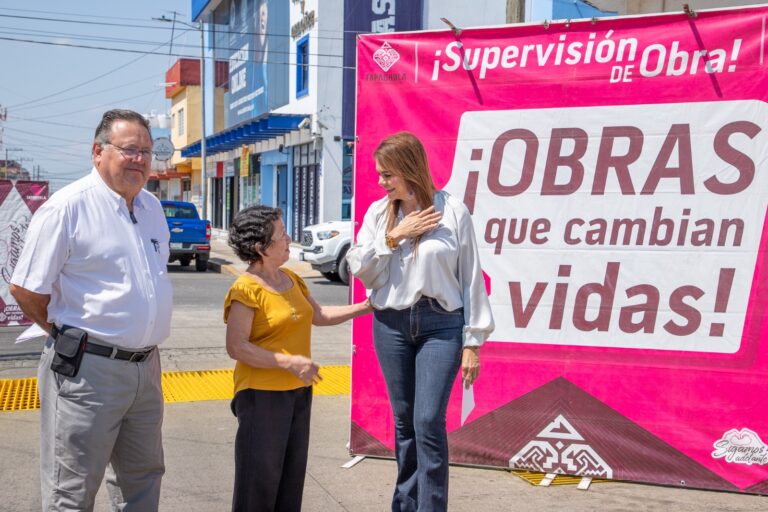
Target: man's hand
x: 416, y: 224
x: 470, y: 366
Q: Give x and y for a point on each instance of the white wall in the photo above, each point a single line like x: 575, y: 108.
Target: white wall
x: 652, y: 6
x: 306, y: 104
x: 329, y: 101
x: 323, y: 102
x: 464, y: 13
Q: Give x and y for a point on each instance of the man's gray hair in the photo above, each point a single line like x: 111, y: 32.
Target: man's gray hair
x: 110, y: 116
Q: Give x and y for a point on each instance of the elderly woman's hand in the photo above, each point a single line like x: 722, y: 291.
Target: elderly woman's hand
x: 416, y: 224
x: 305, y: 369
x: 470, y: 366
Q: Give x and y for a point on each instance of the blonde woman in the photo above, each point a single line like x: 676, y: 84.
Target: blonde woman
x: 416, y: 252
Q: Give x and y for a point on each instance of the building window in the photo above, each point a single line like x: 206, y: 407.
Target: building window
x: 306, y: 187
x: 302, y: 67
x: 180, y: 118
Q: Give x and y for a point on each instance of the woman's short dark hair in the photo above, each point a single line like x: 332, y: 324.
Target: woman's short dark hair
x: 252, y: 230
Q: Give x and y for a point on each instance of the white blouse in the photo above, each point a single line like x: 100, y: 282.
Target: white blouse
x: 446, y: 266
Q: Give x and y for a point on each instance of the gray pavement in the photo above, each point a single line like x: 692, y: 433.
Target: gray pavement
x: 198, y: 439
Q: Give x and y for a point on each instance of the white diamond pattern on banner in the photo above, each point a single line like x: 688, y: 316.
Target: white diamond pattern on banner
x: 561, y: 450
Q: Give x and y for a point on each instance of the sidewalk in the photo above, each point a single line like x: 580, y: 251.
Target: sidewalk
x: 224, y: 260
x: 199, y: 453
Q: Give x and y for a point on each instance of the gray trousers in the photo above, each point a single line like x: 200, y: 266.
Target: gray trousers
x: 111, y: 413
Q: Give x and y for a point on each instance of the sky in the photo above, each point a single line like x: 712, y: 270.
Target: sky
x: 55, y: 94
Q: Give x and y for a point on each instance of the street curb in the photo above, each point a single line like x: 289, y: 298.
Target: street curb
x: 222, y: 266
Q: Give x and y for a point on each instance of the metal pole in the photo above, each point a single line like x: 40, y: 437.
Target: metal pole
x: 203, y: 173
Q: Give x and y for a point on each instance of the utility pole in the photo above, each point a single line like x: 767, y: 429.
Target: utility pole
x: 203, y: 172
x: 5, y: 165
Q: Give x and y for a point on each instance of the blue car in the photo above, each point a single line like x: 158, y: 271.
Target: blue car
x: 190, y: 235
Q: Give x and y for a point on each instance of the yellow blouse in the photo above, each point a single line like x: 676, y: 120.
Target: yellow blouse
x: 282, y: 323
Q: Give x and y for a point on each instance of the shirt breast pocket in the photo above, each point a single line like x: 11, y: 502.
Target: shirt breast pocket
x: 159, y: 251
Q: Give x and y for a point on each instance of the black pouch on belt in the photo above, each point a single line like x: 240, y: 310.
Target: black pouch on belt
x: 69, y: 347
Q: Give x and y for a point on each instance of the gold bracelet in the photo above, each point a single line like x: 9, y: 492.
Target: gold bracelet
x: 391, y: 243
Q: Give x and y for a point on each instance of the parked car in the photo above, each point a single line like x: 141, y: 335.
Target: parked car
x: 325, y: 247
x: 190, y: 235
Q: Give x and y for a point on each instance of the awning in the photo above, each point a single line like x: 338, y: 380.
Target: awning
x: 168, y: 175
x: 249, y: 132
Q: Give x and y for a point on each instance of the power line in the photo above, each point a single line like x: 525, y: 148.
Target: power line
x: 39, y: 134
x: 145, y: 53
x: 71, y: 14
x: 81, y: 22
x: 16, y: 31
x: 90, y: 80
x: 46, y: 121
x: 21, y: 141
x: 156, y: 27
x: 103, y: 105
x: 109, y: 89
x: 77, y: 15
x: 41, y: 33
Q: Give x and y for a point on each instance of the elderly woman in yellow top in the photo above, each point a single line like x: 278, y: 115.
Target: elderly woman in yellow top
x: 269, y: 314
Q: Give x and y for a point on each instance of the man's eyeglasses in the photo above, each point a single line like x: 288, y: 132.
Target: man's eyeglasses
x: 132, y: 153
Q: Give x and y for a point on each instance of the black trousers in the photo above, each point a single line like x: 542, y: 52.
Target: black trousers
x: 271, y: 448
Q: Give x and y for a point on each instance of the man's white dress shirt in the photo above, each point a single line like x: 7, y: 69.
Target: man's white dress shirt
x: 104, y: 273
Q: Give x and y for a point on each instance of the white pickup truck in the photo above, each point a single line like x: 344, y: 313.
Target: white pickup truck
x: 325, y: 246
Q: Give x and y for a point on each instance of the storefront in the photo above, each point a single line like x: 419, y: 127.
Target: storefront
x: 281, y: 142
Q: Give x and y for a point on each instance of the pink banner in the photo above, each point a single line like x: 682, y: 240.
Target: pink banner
x: 616, y: 175
x: 19, y: 200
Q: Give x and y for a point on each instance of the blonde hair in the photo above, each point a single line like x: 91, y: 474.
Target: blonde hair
x: 403, y: 155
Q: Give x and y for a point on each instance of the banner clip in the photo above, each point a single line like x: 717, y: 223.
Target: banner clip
x: 456, y: 31
x: 690, y: 12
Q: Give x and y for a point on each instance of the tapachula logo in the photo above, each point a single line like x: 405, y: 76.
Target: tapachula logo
x: 386, y: 56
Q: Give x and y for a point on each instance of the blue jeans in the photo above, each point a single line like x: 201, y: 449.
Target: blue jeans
x: 419, y: 350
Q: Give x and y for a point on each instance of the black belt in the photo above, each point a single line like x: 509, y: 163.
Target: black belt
x: 138, y: 356
x: 116, y: 353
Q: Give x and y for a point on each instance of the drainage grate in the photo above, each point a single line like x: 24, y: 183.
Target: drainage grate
x: 21, y: 394
x: 534, y: 478
x: 18, y: 395
x: 335, y: 381
x: 197, y: 386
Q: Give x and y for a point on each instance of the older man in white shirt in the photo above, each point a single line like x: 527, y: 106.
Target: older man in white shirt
x: 95, y: 259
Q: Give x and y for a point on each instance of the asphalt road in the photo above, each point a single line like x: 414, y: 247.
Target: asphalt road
x: 197, y: 327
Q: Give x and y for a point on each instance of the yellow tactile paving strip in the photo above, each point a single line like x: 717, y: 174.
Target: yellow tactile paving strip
x: 21, y: 394
x: 18, y: 394
x: 536, y: 478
